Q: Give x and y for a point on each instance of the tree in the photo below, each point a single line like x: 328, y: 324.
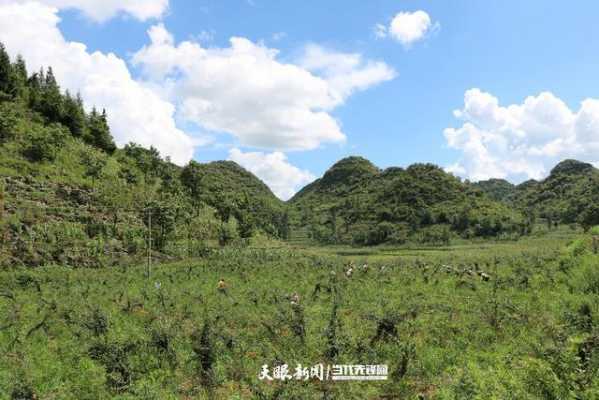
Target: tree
x: 191, y: 177
x: 245, y: 225
x: 34, y: 89
x: 20, y: 69
x: 20, y: 77
x: 228, y: 232
x: 45, y: 144
x: 284, y: 226
x: 332, y: 222
x: 589, y: 217
x: 461, y: 222
x: 147, y: 160
x: 7, y: 76
x: 98, y: 133
x: 51, y: 100
x: 163, y: 220
x: 170, y: 182
x: 8, y: 122
x: 74, y: 115
x: 94, y: 164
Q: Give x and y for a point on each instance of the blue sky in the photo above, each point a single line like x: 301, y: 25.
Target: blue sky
x: 535, y: 64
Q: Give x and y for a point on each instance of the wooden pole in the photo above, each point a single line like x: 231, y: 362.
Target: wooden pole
x: 149, y: 266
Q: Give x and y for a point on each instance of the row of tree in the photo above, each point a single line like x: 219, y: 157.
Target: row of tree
x: 42, y: 94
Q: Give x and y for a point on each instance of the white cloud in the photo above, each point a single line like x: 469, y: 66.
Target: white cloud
x: 102, y: 10
x: 407, y: 27
x: 521, y: 141
x: 345, y: 72
x: 283, y: 178
x: 246, y: 91
x: 136, y: 113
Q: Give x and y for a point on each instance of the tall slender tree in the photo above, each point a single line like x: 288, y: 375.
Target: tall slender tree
x: 74, y: 115
x: 7, y: 76
x: 51, y: 101
x: 20, y: 77
x: 34, y: 88
x: 98, y: 133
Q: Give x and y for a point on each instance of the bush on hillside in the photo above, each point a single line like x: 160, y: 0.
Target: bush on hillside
x: 45, y: 143
x: 8, y: 122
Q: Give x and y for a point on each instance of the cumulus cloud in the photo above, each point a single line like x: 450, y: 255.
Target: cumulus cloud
x: 521, y: 141
x: 102, y: 10
x: 407, y: 27
x: 345, y: 72
x: 136, y: 113
x: 245, y: 90
x: 283, y: 178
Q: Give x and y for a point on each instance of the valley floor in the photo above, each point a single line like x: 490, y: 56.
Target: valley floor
x: 513, y: 320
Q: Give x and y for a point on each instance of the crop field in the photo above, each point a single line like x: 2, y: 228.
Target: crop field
x: 512, y: 320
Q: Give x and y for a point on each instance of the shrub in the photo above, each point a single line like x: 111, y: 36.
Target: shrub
x: 436, y: 234
x: 203, y: 349
x: 45, y: 144
x: 8, y: 122
x: 589, y: 217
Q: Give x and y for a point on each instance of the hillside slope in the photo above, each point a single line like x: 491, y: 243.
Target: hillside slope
x: 69, y: 196
x: 570, y: 194
x: 357, y: 202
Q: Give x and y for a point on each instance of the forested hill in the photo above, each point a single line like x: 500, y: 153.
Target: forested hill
x: 357, y: 202
x: 570, y: 194
x: 69, y: 196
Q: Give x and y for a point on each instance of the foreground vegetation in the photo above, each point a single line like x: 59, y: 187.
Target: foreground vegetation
x: 482, y: 321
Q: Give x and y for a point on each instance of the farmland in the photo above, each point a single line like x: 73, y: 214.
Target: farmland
x: 526, y: 331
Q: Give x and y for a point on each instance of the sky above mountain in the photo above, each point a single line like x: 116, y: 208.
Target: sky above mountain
x: 484, y: 89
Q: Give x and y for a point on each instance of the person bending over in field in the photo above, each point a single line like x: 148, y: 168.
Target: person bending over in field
x: 222, y: 287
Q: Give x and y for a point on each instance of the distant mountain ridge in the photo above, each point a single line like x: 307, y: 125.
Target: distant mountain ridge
x: 569, y: 194
x: 357, y: 202
x: 69, y: 196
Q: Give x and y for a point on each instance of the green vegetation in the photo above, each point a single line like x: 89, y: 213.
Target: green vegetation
x: 497, y: 189
x: 570, y: 194
x: 505, y: 320
x: 465, y: 298
x: 71, y: 197
x: 355, y: 202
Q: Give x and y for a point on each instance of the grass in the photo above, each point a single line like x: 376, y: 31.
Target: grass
x: 443, y: 331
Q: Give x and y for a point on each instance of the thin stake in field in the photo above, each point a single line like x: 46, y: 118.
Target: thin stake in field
x: 149, y: 263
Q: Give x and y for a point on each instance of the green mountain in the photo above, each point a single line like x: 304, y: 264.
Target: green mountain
x: 69, y: 196
x: 570, y: 194
x: 497, y: 189
x: 357, y: 202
